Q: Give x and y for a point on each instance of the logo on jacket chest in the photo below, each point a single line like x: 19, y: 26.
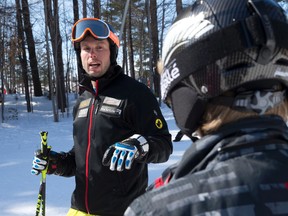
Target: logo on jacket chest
x: 111, y: 106
x: 83, y: 108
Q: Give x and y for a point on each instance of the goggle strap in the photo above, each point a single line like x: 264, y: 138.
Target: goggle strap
x: 114, y: 38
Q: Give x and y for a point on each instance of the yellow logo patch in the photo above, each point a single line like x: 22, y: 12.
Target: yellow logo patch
x: 158, y: 123
x: 85, y: 103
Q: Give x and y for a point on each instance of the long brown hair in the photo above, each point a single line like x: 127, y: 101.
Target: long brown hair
x: 216, y: 115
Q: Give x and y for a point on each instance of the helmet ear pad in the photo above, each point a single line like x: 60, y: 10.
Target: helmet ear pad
x: 188, y: 108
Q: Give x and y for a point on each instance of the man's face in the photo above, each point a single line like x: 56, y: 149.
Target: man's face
x: 95, y: 56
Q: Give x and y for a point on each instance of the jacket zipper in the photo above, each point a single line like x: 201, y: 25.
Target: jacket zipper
x: 88, y: 149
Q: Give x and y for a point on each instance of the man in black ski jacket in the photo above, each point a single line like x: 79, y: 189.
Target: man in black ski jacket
x: 118, y: 129
x: 225, y: 78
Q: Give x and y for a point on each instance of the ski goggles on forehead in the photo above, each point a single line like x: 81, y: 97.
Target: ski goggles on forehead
x: 97, y: 28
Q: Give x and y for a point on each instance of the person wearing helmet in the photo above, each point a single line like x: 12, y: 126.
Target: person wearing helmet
x: 225, y: 76
x: 116, y: 132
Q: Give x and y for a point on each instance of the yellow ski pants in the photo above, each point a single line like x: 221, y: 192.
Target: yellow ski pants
x: 73, y: 212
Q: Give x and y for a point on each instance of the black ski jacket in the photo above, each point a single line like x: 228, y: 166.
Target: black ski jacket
x: 240, y: 170
x: 121, y: 108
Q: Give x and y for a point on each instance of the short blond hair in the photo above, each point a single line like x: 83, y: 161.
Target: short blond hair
x: 217, y: 115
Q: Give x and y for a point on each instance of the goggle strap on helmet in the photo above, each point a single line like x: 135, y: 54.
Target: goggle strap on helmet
x: 256, y: 101
x: 114, y: 38
x: 268, y: 50
x: 232, y: 39
x: 238, y: 37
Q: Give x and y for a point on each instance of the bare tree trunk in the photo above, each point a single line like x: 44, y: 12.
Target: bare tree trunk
x: 179, y: 6
x: 59, y: 61
x: 51, y: 88
x: 151, y: 74
x: 76, y: 18
x: 68, y: 59
x: 162, y: 25
x: 2, y: 65
x: 22, y: 54
x: 97, y: 8
x: 12, y: 64
x: 130, y: 46
x: 31, y: 49
x: 75, y: 10
x: 124, y: 62
x: 149, y: 46
x: 141, y: 48
x: 155, y: 43
x: 84, y: 3
x: 53, y: 24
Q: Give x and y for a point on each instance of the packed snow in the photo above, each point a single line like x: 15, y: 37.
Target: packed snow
x: 19, y: 138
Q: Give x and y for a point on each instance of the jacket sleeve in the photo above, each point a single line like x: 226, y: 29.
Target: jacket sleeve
x: 65, y: 164
x: 62, y: 164
x: 144, y: 115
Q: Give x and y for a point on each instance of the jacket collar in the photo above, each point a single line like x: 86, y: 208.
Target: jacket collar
x: 104, y: 81
x: 232, y: 138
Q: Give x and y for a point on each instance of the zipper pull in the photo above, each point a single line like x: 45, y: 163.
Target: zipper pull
x: 97, y: 102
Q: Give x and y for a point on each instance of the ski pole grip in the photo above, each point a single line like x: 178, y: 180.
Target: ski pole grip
x: 44, y: 147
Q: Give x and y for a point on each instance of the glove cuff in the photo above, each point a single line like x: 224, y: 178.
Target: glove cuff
x: 55, y: 166
x: 52, y: 165
x: 142, y: 146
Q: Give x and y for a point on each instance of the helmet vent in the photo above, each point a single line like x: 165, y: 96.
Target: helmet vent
x: 238, y: 66
x: 282, y: 62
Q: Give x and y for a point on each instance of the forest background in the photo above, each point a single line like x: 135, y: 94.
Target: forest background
x: 36, y: 53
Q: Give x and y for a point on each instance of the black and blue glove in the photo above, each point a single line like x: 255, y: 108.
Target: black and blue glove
x: 41, y: 163
x: 121, y: 155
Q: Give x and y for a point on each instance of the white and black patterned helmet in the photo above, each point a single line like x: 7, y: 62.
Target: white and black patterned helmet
x: 216, y: 46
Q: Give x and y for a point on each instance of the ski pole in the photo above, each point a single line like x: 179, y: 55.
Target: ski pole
x: 40, y: 207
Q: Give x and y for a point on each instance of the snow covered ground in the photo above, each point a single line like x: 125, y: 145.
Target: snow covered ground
x: 19, y: 138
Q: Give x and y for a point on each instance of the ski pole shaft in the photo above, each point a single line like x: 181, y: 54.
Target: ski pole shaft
x: 42, y: 191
